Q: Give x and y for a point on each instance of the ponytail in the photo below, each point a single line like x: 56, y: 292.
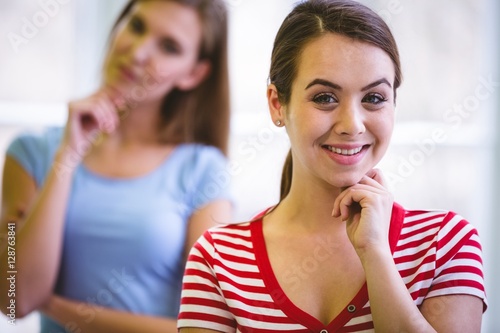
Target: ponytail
x: 286, y: 176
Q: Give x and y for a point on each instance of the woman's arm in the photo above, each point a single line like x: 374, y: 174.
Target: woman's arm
x: 366, y: 208
x: 89, y: 318
x: 38, y: 236
x: 393, y: 309
x: 39, y: 217
x: 454, y: 313
x: 216, y: 212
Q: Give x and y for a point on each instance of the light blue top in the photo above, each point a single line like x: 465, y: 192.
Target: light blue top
x: 124, y: 238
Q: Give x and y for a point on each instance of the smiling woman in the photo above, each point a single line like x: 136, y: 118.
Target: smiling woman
x: 359, y: 101
x: 334, y: 73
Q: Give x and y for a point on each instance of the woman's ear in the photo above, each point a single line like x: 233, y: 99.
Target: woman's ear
x: 276, y: 109
x: 199, y: 73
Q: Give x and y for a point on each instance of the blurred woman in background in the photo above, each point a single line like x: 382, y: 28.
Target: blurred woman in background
x: 106, y: 209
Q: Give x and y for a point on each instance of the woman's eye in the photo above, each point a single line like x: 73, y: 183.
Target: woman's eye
x: 170, y: 46
x: 374, y: 99
x: 136, y: 25
x: 324, y: 98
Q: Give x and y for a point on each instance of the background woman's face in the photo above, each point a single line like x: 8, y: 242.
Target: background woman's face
x: 341, y: 112
x: 154, y: 50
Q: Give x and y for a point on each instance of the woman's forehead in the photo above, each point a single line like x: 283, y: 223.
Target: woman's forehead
x: 336, y: 57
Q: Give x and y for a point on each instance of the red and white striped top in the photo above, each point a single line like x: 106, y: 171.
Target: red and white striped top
x: 229, y: 285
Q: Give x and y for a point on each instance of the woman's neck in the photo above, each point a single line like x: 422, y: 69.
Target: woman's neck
x: 139, y: 126
x: 309, y: 204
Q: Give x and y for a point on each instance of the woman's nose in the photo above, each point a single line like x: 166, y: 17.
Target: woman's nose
x: 141, y: 50
x: 349, y: 120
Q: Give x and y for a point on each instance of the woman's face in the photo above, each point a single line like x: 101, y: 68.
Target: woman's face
x: 155, y: 49
x: 341, y: 112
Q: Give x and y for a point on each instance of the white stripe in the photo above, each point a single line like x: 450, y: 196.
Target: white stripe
x: 239, y: 267
x: 246, y: 294
x: 437, y: 213
x: 414, y: 264
x: 411, y: 252
x: 197, y: 280
x: 231, y: 251
x: 448, y: 246
x: 359, y: 320
x: 419, y: 236
x: 206, y: 309
x: 203, y: 295
x: 472, y: 249
x: 457, y: 290
x: 199, y: 267
x: 450, y: 278
x: 258, y: 324
x: 419, y: 284
x: 205, y: 325
x: 206, y: 245
x: 219, y: 270
x: 233, y: 240
x: 465, y: 262
x: 258, y: 311
x: 228, y: 230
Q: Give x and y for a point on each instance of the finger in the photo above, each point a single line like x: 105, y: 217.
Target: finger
x: 81, y: 115
x: 344, y: 206
x: 117, y: 106
x: 354, y: 198
x: 336, y: 204
x: 336, y: 212
x: 378, y: 176
x: 107, y: 112
x: 372, y: 182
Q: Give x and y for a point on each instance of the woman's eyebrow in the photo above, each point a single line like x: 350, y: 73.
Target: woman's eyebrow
x: 376, y: 83
x: 330, y: 84
x: 324, y: 83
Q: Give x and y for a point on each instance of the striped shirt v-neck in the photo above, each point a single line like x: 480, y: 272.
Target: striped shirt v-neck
x: 229, y: 285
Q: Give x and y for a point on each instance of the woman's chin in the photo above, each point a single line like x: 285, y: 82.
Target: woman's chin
x: 346, y: 181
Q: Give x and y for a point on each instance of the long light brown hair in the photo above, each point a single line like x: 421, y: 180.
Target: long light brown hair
x: 312, y: 19
x: 200, y: 115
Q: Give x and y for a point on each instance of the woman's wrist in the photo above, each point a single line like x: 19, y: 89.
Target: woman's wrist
x: 372, y: 254
x: 66, y: 160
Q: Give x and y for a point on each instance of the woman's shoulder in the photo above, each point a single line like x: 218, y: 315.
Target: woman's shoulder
x: 443, y: 226
x: 202, y: 171
x: 198, y: 158
x: 200, y: 152
x: 34, y: 150
x: 42, y: 137
x: 230, y: 231
x: 442, y: 217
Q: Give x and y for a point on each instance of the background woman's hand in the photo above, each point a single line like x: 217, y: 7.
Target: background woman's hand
x: 366, y: 207
x: 87, y: 118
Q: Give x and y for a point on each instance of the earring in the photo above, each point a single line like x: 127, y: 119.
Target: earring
x: 278, y: 122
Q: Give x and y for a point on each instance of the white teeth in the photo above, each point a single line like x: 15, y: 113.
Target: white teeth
x: 347, y: 152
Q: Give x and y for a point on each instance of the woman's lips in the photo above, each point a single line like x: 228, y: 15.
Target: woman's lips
x: 128, y: 73
x: 345, y: 155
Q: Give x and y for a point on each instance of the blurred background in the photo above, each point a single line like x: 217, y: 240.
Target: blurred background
x: 445, y: 151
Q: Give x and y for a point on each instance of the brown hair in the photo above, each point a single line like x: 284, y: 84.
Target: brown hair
x: 312, y: 19
x: 202, y: 114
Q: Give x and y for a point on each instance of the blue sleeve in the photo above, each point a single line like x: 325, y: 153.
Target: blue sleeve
x: 210, y: 177
x: 35, y: 152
